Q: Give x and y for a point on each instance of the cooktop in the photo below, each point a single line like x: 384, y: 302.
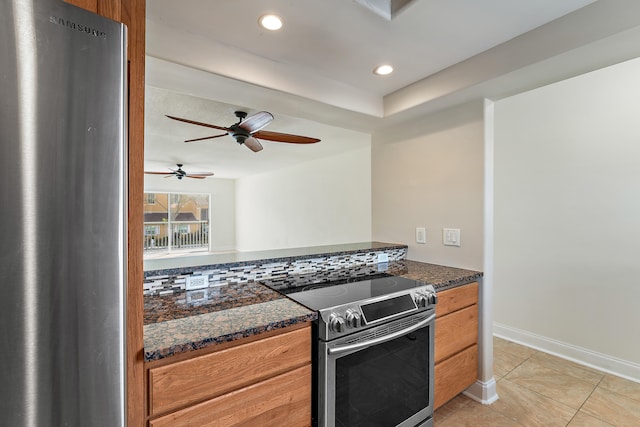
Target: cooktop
x: 318, y: 296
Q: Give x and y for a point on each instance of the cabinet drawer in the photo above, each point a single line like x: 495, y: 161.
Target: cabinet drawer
x: 454, y: 375
x: 455, y: 332
x: 457, y: 298
x: 180, y: 384
x: 284, y: 400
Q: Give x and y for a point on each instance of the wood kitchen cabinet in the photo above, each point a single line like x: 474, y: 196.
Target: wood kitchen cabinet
x: 456, y: 342
x: 265, y: 382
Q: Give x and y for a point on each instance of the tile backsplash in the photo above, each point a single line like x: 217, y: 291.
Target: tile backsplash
x: 162, y: 282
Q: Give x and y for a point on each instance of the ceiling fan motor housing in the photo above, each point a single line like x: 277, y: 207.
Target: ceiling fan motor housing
x: 180, y: 173
x: 239, y: 134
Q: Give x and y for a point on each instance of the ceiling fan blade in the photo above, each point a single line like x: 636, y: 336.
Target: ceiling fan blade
x: 195, y: 177
x: 253, y: 144
x: 284, y: 137
x: 256, y: 122
x: 199, y: 123
x: 200, y: 174
x: 206, y: 137
x: 159, y: 173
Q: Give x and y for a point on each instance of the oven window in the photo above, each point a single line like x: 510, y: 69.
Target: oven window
x: 385, y: 384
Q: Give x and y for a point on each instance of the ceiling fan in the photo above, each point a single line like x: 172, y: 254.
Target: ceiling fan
x: 248, y: 129
x: 181, y: 173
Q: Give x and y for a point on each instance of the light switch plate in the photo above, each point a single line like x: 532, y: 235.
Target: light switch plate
x: 421, y: 235
x: 451, y: 236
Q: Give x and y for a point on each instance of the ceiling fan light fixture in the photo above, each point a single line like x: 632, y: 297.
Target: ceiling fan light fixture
x: 270, y: 22
x: 383, y: 70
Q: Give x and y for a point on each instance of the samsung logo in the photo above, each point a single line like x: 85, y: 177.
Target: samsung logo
x: 78, y: 27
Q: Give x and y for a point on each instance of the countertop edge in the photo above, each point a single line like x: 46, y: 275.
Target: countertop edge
x: 235, y: 336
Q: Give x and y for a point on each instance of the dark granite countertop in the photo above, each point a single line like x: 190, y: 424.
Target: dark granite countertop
x: 196, y: 319
x: 440, y: 276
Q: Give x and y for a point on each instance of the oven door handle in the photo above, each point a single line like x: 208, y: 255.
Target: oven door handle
x: 357, y: 346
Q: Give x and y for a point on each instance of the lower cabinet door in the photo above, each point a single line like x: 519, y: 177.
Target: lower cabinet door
x: 284, y: 400
x: 181, y: 384
x: 454, y: 375
x: 455, y: 332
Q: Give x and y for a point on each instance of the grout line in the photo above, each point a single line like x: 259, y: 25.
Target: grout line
x: 540, y: 394
x: 519, y: 364
x: 577, y: 411
x: 585, y: 401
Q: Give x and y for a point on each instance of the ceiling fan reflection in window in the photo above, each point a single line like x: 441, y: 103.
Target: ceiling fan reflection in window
x: 248, y: 130
x: 181, y: 173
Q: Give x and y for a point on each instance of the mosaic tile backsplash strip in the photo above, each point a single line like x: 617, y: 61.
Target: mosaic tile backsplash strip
x: 168, y: 282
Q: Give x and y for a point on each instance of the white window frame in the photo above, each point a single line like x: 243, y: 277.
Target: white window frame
x: 206, y: 224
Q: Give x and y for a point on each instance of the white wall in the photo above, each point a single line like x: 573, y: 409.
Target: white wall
x: 567, y: 217
x: 326, y: 201
x: 429, y: 173
x: 223, y: 205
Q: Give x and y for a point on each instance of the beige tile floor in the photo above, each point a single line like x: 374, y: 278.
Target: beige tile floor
x: 537, y: 389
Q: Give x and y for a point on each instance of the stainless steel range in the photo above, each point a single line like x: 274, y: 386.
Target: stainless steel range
x: 373, y: 361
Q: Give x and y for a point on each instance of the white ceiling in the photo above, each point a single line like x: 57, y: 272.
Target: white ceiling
x: 343, y: 41
x: 315, y: 74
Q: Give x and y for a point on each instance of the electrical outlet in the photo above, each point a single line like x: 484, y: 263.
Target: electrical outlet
x: 421, y: 235
x: 451, y: 236
x: 197, y: 282
x: 383, y: 257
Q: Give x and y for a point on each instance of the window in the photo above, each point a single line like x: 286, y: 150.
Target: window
x: 176, y: 222
x: 151, y: 230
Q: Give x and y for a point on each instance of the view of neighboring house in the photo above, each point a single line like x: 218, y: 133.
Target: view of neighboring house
x: 176, y: 221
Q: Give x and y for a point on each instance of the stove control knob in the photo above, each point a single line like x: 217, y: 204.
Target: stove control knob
x: 433, y: 298
x: 421, y: 300
x: 353, y: 319
x: 336, y: 323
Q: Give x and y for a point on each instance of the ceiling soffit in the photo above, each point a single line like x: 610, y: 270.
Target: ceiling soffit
x: 480, y: 74
x: 387, y: 9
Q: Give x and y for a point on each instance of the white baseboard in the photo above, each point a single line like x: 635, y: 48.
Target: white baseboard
x: 483, y: 392
x: 582, y: 356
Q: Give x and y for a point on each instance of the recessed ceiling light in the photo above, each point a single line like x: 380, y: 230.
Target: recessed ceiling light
x: 270, y: 22
x: 383, y: 70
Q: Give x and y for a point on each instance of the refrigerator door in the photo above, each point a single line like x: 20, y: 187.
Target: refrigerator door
x: 63, y: 216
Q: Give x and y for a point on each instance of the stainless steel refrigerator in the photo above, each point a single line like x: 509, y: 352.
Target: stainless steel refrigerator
x: 62, y: 216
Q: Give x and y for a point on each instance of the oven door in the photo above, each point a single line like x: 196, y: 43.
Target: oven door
x: 381, y: 376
